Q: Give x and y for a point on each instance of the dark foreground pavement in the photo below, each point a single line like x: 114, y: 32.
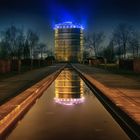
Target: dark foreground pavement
x: 12, y: 86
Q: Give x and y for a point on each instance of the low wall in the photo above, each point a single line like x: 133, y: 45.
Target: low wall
x: 95, y: 61
x: 15, y: 65
x: 36, y: 62
x: 136, y: 65
x: 5, y: 66
x: 126, y: 64
x: 130, y: 64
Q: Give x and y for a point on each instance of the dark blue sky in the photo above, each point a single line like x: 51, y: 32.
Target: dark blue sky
x: 41, y: 15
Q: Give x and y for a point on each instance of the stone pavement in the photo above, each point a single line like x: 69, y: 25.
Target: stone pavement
x: 123, y: 91
x: 12, y: 86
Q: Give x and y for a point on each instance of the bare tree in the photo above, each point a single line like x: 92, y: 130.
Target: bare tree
x: 4, y: 50
x: 26, y: 50
x: 94, y: 42
x: 134, y: 43
x: 85, y: 55
x: 12, y: 41
x: 108, y: 52
x: 88, y: 45
x: 121, y: 36
x: 117, y: 43
x: 20, y: 42
x: 12, y: 37
x: 42, y: 47
x: 32, y: 40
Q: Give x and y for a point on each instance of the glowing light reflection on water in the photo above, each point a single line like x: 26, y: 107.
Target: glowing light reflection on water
x: 68, y: 88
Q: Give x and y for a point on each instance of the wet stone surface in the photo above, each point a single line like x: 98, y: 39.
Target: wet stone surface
x: 67, y: 110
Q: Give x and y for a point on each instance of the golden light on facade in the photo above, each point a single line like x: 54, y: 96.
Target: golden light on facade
x: 68, y: 42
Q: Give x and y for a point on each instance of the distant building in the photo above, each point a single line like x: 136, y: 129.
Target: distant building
x: 68, y: 42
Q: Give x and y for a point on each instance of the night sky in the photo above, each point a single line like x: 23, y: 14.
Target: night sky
x: 94, y: 15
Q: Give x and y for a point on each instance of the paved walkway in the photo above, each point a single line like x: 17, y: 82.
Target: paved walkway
x: 122, y: 91
x: 12, y: 86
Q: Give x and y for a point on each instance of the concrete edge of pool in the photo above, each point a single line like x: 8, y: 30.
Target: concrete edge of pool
x: 129, y: 125
x: 15, y: 108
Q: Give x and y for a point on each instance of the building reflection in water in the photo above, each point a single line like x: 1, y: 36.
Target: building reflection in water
x: 68, y: 88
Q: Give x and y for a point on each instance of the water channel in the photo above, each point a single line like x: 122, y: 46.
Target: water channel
x: 68, y: 110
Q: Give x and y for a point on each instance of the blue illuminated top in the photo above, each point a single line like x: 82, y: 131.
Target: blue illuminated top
x: 67, y: 24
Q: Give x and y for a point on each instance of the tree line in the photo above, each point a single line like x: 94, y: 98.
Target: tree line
x: 124, y: 42
x: 15, y: 43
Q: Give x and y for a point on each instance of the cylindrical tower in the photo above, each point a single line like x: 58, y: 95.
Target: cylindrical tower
x: 68, y: 42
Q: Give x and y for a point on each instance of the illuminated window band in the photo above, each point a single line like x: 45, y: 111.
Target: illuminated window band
x: 69, y: 101
x: 68, y: 25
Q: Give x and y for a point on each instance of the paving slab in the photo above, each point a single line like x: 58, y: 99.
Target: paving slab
x: 14, y: 85
x: 123, y: 91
